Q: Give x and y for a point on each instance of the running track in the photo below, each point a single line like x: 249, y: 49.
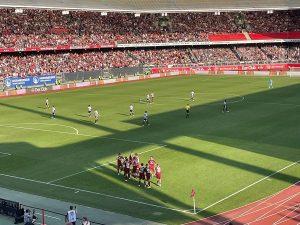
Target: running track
x: 282, y: 208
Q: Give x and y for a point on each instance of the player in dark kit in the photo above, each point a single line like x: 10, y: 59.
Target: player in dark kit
x: 120, y: 159
x: 148, y: 176
x: 187, y: 111
x: 225, y: 106
x: 146, y: 119
x: 141, y: 174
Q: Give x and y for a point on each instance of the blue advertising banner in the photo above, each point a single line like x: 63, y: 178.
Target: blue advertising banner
x: 29, y: 81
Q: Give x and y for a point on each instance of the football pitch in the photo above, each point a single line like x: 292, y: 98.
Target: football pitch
x: 230, y: 159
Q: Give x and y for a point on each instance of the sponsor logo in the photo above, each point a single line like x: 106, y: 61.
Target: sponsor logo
x: 40, y: 89
x: 35, y: 80
x: 8, y: 82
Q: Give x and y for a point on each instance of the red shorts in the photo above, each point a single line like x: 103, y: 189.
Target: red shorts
x: 158, y: 176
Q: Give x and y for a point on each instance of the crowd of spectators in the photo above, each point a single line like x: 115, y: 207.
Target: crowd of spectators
x: 39, y: 63
x: 215, y: 55
x: 46, y: 28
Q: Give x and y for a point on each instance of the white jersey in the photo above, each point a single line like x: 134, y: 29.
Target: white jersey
x: 146, y: 116
x: 71, y: 215
x: 47, y: 102
x: 148, y: 97
x: 192, y: 94
x: 53, y: 110
x: 152, y: 95
x: 131, y: 107
x: 90, y: 108
x: 96, y: 114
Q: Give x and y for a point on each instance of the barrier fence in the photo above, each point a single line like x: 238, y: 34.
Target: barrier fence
x: 50, y: 217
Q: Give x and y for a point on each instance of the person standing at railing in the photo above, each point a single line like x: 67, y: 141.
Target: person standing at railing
x: 85, y: 221
x: 71, y: 216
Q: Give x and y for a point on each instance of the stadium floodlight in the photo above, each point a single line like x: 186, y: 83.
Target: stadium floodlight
x: 65, y: 12
x: 103, y: 13
x: 137, y: 14
x: 18, y: 10
x: 270, y: 11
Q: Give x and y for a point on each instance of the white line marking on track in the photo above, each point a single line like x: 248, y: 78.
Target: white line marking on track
x: 277, y: 206
x: 84, y: 135
x: 95, y: 167
x: 231, y: 210
x: 94, y: 193
x: 256, y: 182
x: 250, y: 211
x: 274, y: 214
x: 280, y: 220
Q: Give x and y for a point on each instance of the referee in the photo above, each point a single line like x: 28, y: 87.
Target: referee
x: 187, y: 111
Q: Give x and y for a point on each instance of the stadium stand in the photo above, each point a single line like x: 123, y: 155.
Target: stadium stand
x: 66, y: 62
x: 46, y: 28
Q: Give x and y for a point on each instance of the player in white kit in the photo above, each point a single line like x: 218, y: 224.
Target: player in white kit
x: 90, y: 110
x: 53, y: 112
x: 96, y: 115
x: 131, y: 110
x: 192, y: 95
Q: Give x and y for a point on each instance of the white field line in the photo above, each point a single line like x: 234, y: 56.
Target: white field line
x: 231, y: 210
x: 265, y: 214
x: 95, y: 167
x: 84, y: 135
x: 5, y: 153
x: 250, y: 211
x: 256, y: 182
x: 280, y: 220
x: 52, y: 217
x: 51, y: 124
x: 274, y: 103
x: 94, y: 193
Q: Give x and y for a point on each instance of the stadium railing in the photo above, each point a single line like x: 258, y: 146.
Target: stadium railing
x: 45, y: 215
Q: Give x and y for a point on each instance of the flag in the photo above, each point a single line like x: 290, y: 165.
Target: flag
x: 193, y: 193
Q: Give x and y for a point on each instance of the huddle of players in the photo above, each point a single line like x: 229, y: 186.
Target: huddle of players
x: 132, y: 167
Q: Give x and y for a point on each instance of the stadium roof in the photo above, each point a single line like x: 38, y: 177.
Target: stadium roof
x: 151, y: 6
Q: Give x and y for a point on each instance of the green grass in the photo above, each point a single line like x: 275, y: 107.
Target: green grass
x: 217, y: 154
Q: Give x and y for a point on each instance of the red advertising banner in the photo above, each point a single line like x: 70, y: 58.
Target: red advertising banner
x: 254, y: 67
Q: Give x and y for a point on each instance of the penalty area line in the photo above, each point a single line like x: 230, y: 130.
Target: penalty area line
x: 95, y: 193
x: 101, y: 165
x: 84, y: 135
x: 250, y: 185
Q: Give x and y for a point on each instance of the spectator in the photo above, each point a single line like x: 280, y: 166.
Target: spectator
x: 85, y: 221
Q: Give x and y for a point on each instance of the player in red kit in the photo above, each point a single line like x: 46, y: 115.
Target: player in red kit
x: 130, y: 158
x: 134, y: 166
x: 141, y: 174
x: 158, y: 174
x: 126, y: 169
x: 151, y: 164
x: 120, y: 159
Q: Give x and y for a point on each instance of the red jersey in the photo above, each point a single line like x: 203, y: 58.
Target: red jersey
x: 158, y: 172
x: 151, y: 164
x: 119, y: 160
